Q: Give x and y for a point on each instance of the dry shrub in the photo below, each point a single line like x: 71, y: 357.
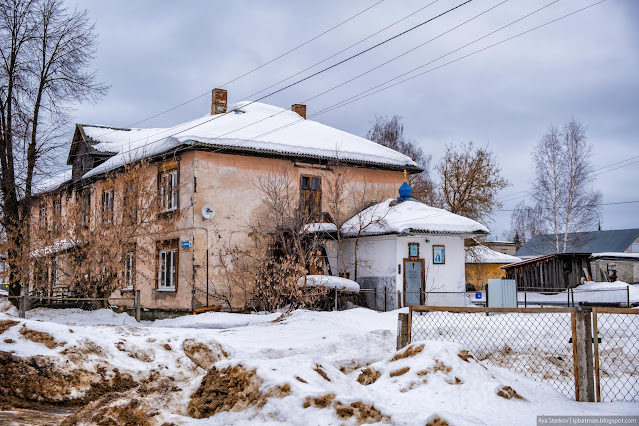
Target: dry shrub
x: 318, y: 369
x: 368, y: 376
x: 8, y: 341
x: 166, y: 347
x: 439, y: 366
x: 399, y: 372
x: 231, y: 388
x: 7, y: 324
x: 465, y: 355
x: 410, y: 351
x: 349, y: 367
x: 39, y: 337
x: 508, y: 393
x: 299, y: 379
x: 201, y: 354
x: 437, y: 421
x: 319, y: 402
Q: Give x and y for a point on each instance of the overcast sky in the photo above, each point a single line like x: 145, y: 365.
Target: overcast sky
x: 158, y: 54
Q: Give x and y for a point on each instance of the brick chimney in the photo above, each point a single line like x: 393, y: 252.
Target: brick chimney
x: 218, y: 101
x: 300, y: 109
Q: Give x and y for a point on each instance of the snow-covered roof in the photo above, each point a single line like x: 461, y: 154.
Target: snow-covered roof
x: 248, y: 127
x: 318, y: 227
x: 393, y: 217
x: 330, y: 281
x: 614, y: 254
x: 52, y: 183
x: 483, y: 254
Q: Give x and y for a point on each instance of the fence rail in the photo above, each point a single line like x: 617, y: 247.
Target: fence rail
x: 24, y: 301
x: 586, y: 353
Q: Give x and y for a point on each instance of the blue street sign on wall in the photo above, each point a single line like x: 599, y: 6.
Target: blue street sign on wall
x: 187, y: 244
x: 477, y: 294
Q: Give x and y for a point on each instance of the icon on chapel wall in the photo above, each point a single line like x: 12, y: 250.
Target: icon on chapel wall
x: 439, y: 255
x: 413, y: 249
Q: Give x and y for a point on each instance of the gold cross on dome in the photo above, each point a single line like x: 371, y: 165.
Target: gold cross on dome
x: 405, y: 176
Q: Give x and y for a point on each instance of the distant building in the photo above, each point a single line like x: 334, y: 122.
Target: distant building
x: 505, y: 247
x: 483, y: 264
x: 618, y: 241
x: 615, y: 267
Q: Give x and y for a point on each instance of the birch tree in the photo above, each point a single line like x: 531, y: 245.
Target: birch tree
x: 563, y: 187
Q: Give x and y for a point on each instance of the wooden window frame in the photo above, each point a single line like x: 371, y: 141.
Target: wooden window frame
x: 85, y: 200
x: 129, y: 275
x: 130, y: 196
x: 164, y: 247
x: 311, y: 205
x: 410, y: 246
x: 57, y: 214
x: 108, y: 199
x: 439, y: 246
x: 171, y: 168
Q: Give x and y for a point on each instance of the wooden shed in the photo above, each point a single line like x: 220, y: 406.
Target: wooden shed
x: 550, y: 272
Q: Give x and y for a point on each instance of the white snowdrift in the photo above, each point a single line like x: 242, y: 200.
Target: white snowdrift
x: 437, y: 382
x: 329, y: 282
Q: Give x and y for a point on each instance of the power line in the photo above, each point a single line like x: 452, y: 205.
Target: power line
x: 294, y: 83
x: 387, y: 62
x: 260, y: 66
x: 593, y: 205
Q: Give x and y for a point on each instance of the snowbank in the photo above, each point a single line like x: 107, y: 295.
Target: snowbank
x: 330, y: 282
x: 6, y: 307
x: 615, y: 254
x: 590, y: 292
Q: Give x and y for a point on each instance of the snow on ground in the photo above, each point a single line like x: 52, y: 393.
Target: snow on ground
x: 591, y: 292
x: 301, y: 368
x: 329, y: 281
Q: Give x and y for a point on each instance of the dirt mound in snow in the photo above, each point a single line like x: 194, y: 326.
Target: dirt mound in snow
x: 363, y: 413
x: 40, y: 337
x: 7, y: 324
x: 231, y: 388
x: 137, y: 406
x: 202, y: 355
x: 48, y: 385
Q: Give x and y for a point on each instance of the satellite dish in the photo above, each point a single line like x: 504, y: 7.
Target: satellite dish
x: 208, y: 211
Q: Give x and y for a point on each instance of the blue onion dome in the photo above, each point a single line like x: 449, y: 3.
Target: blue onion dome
x: 405, y: 191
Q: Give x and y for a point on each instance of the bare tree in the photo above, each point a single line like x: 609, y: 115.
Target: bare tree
x: 389, y: 132
x: 526, y: 222
x: 563, y: 188
x: 45, y: 51
x: 470, y: 180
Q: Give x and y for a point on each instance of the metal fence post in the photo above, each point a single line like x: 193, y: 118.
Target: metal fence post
x: 137, y: 306
x: 402, y: 330
x: 335, y: 298
x: 628, y: 296
x: 582, y: 349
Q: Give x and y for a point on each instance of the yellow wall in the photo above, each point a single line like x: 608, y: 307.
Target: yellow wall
x: 478, y: 274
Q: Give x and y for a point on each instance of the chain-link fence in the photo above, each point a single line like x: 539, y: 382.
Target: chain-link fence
x: 616, y: 340
x: 534, y: 342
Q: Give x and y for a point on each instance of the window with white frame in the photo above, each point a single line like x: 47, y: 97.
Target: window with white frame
x: 107, y: 206
x: 129, y: 267
x: 169, y: 190
x: 57, y: 214
x: 167, y: 266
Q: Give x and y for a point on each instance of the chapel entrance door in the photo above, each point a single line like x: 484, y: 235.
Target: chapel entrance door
x: 413, y: 281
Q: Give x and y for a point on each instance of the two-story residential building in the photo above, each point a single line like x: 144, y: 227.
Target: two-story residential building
x: 205, y: 170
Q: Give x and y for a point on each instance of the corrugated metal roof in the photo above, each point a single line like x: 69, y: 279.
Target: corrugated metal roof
x: 581, y: 242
